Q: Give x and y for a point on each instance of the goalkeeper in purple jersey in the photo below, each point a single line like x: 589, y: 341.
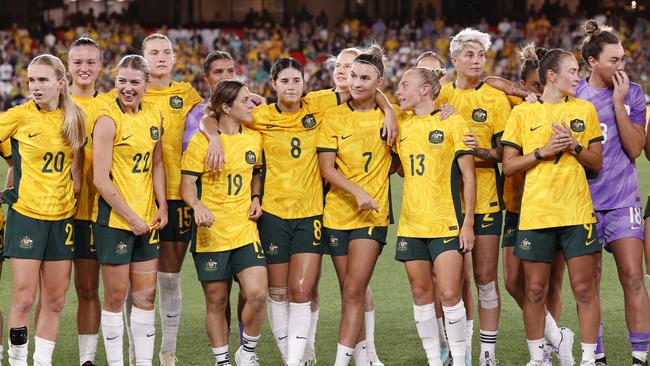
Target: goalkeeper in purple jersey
x: 615, y: 189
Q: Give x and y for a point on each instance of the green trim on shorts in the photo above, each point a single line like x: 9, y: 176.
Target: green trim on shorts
x: 117, y: 246
x: 83, y: 240
x: 29, y: 238
x: 428, y: 249
x: 221, y: 266
x: 510, y: 228
x: 339, y: 240
x: 574, y: 241
x: 282, y: 238
x: 179, y: 225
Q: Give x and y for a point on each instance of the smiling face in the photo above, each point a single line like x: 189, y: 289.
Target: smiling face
x: 470, y: 60
x: 363, y: 81
x: 222, y: 69
x: 610, y: 61
x: 44, y: 86
x: 410, y: 92
x: 342, y: 69
x: 159, y: 54
x: 566, y: 79
x: 289, y: 85
x: 131, y: 84
x: 84, y: 63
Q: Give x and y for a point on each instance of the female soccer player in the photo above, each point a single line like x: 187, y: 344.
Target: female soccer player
x: 355, y: 160
x: 47, y: 135
x: 227, y: 242
x: 553, y: 141
x: 84, y: 64
x: 129, y: 175
x: 175, y: 100
x: 615, y: 189
x: 434, y: 236
x: 486, y: 109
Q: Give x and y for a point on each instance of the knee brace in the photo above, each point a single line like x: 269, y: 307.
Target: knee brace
x: 278, y: 294
x: 487, y: 295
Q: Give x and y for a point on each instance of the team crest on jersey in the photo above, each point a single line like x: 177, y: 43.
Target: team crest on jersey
x: 308, y: 121
x: 176, y: 102
x: 250, y: 157
x: 273, y: 250
x: 334, y: 241
x: 479, y: 115
x: 577, y: 125
x: 120, y: 248
x: 155, y: 134
x: 436, y: 137
x: 525, y: 244
x: 210, y: 266
x: 26, y: 243
x: 402, y: 245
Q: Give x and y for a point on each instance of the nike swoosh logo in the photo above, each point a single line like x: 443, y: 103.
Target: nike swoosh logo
x: 150, y: 335
x: 93, y: 250
x: 633, y: 227
x: 445, y: 241
x: 488, y: 225
x: 185, y: 231
x: 271, y: 126
x: 347, y: 354
x: 111, y: 338
x: 299, y: 337
x: 400, y: 140
x: 281, y: 338
x: 452, y: 323
x: 33, y: 134
x: 588, y: 243
x: 126, y: 137
x: 315, y: 243
x: 172, y: 316
x: 345, y: 137
x: 533, y: 129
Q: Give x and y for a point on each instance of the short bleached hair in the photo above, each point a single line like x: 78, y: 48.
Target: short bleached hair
x: 469, y: 35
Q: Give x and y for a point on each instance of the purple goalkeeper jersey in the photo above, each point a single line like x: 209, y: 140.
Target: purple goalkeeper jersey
x: 192, y: 122
x: 616, y: 185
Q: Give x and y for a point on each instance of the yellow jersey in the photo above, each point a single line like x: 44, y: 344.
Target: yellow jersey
x: 136, y: 135
x: 512, y: 185
x: 226, y: 193
x: 292, y: 185
x: 555, y: 191
x: 428, y: 148
x: 486, y: 110
x: 42, y: 162
x: 5, y: 152
x: 174, y: 101
x: 91, y: 107
x: 364, y: 158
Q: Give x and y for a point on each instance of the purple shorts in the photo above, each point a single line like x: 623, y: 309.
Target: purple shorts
x: 619, y: 223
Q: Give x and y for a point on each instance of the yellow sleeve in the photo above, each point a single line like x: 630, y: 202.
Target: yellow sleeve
x: 458, y: 135
x: 259, y: 115
x: 512, y: 134
x: 192, y: 97
x: 327, y: 136
x: 593, y: 132
x: 5, y: 149
x: 9, y: 123
x: 321, y: 101
x: 193, y: 157
x: 503, y: 113
x: 514, y: 100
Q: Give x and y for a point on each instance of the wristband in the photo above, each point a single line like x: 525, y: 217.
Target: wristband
x: 538, y: 156
x: 258, y: 196
x: 578, y: 149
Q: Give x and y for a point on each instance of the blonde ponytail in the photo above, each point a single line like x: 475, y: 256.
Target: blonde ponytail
x: 73, y: 118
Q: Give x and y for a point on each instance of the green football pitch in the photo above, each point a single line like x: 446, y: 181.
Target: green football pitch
x: 396, y: 337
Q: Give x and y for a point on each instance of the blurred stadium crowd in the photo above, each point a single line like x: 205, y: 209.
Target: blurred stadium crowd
x: 311, y: 39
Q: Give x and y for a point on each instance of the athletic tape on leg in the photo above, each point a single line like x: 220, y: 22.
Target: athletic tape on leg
x: 487, y: 296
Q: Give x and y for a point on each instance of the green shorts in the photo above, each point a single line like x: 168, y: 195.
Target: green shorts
x: 339, y: 240
x: 412, y: 249
x: 117, y: 246
x: 510, y: 225
x: 540, y: 245
x: 488, y: 224
x: 221, y: 266
x: 29, y: 238
x: 179, y: 226
x: 84, y: 246
x: 2, y: 244
x: 646, y: 213
x: 281, y: 238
